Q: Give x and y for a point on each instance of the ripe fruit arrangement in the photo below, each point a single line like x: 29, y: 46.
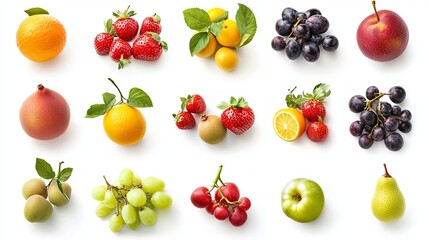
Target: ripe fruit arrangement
x: 379, y: 120
x: 116, y: 38
x: 123, y: 123
x: 225, y: 203
x: 220, y: 35
x: 35, y: 191
x: 40, y: 37
x: 191, y: 104
x: 290, y: 124
x: 300, y: 33
x: 45, y: 114
x: 132, y: 200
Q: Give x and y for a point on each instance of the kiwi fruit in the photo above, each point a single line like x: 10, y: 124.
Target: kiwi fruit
x: 211, y: 130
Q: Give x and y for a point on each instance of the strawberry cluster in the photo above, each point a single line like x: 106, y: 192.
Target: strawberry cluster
x: 116, y: 38
x: 226, y: 202
x: 191, y: 104
x: 313, y: 109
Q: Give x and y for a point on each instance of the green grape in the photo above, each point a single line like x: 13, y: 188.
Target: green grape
x: 148, y: 216
x: 98, y: 192
x: 126, y: 177
x: 161, y: 200
x: 136, y: 197
x: 116, y: 222
x: 129, y: 213
x: 109, y: 199
x: 137, y: 180
x: 153, y: 184
x: 134, y: 225
x: 102, y: 211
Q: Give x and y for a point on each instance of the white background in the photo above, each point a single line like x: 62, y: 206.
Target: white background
x: 258, y: 161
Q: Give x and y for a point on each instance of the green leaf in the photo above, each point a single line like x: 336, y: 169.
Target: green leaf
x: 96, y: 110
x: 60, y: 187
x: 109, y: 100
x: 216, y: 28
x: 198, y: 42
x: 65, y: 174
x: 223, y: 105
x: 246, y: 23
x: 138, y: 98
x: 44, y: 169
x: 221, y: 17
x: 197, y: 19
x: 35, y: 11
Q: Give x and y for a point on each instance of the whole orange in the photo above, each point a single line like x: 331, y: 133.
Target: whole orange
x: 229, y: 35
x: 124, y: 124
x: 41, y: 37
x: 226, y: 59
x: 209, y: 49
x: 45, y: 114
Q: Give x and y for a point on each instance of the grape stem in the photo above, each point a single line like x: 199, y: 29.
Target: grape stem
x: 294, y: 26
x: 215, y: 185
x: 375, y: 10
x: 369, y: 107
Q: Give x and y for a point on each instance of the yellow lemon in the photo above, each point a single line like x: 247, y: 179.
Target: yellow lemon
x: 289, y: 124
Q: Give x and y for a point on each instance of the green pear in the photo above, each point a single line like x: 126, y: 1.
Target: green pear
x: 388, y: 203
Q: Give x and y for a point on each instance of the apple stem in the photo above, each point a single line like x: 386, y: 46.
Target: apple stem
x: 375, y: 10
x: 386, y: 174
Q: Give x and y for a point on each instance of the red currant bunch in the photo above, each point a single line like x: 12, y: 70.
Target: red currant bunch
x: 225, y: 202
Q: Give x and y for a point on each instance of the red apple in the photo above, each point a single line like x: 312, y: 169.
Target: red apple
x: 383, y: 35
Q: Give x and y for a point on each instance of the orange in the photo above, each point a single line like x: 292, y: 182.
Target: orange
x: 229, y: 35
x: 41, y: 37
x: 124, y: 125
x: 209, y: 49
x: 289, y: 124
x: 214, y: 13
x: 226, y: 59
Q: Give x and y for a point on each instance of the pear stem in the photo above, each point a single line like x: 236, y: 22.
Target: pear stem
x: 386, y: 174
x: 375, y: 10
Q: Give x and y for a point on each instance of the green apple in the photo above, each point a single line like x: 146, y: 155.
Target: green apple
x: 302, y: 200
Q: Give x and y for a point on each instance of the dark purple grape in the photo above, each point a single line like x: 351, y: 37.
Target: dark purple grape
x: 302, y: 31
x: 368, y: 117
x: 310, y: 51
x: 356, y: 128
x: 391, y: 124
x: 405, y: 115
x: 357, y: 103
x: 397, y: 94
x: 312, y: 11
x: 365, y: 141
x: 372, y: 92
x: 290, y: 15
x: 317, y: 38
x: 330, y: 43
x: 302, y: 17
x: 385, y: 109
x: 368, y: 128
x: 396, y: 110
x: 378, y: 134
x: 394, y: 141
x: 283, y: 27
x: 318, y: 24
x: 405, y: 127
x: 278, y: 43
x: 293, y: 49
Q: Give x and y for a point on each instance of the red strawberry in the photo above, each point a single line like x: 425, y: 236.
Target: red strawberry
x: 184, y: 120
x: 237, y: 116
x: 317, y: 131
x: 194, y: 103
x: 151, y: 24
x: 103, y: 40
x: 311, y: 104
x: 125, y: 27
x: 120, y: 51
x: 148, y: 47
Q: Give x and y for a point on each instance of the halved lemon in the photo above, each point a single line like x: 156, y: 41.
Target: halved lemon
x: 289, y: 124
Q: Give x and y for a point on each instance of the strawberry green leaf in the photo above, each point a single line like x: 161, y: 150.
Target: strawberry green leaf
x: 35, y: 11
x: 198, y: 42
x: 197, y: 19
x: 139, y: 98
x: 246, y: 23
x: 65, y: 174
x: 44, y: 169
x: 96, y: 110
